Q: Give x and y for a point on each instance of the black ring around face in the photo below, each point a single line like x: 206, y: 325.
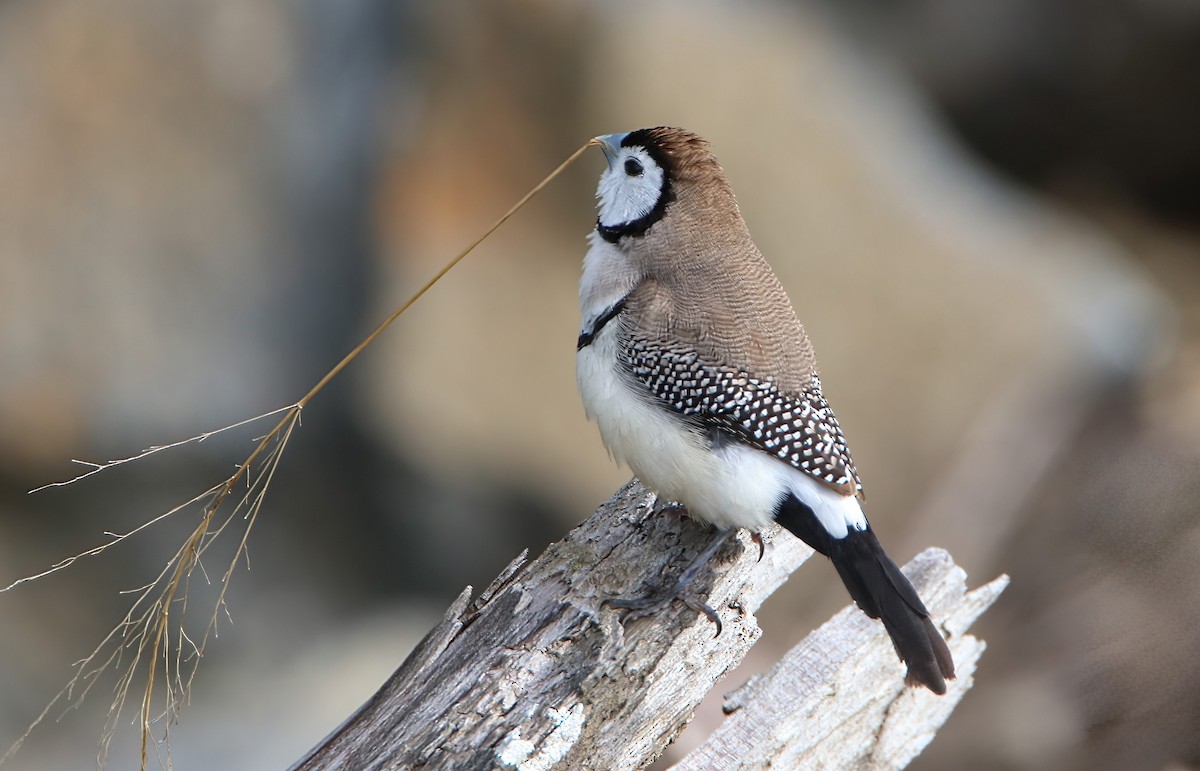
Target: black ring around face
x: 638, y: 227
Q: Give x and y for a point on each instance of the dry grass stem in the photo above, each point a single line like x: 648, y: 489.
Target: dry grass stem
x: 152, y: 634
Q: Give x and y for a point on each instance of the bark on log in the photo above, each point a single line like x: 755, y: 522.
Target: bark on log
x: 835, y: 701
x: 537, y: 673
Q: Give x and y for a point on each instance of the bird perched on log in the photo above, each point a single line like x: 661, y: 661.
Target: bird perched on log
x: 692, y: 362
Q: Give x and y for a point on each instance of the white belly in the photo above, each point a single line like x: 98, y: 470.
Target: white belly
x: 735, y: 487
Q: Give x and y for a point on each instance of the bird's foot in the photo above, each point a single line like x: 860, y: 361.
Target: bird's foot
x: 682, y: 589
x: 762, y: 547
x: 652, y: 603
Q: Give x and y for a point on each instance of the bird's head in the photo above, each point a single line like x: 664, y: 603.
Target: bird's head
x: 647, y: 170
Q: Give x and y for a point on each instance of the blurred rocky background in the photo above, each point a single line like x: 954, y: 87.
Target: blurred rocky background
x: 988, y: 213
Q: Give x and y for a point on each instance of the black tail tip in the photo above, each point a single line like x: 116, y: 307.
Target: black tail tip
x: 930, y: 679
x: 932, y: 671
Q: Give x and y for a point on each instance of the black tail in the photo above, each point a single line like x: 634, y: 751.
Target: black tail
x: 881, y: 591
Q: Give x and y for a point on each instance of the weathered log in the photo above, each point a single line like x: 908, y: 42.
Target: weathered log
x: 539, y: 673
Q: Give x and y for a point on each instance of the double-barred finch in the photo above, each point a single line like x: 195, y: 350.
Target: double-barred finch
x: 692, y: 362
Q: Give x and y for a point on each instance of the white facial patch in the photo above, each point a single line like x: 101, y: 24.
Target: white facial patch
x: 629, y: 189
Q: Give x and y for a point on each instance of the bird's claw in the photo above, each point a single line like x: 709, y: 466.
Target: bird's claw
x: 641, y: 607
x: 682, y: 589
x: 707, y: 610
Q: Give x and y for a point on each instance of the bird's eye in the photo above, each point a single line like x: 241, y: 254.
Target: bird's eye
x: 633, y: 167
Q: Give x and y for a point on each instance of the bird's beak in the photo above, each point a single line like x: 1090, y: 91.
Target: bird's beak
x: 609, y: 144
